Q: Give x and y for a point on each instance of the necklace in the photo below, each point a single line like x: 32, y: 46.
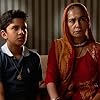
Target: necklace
x: 80, y: 52
x: 19, y: 76
x: 80, y: 44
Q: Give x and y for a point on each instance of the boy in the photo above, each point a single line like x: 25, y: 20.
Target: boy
x: 20, y: 70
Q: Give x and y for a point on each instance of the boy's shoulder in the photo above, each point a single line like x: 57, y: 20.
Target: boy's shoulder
x: 34, y: 53
x: 1, y: 52
x: 2, y: 56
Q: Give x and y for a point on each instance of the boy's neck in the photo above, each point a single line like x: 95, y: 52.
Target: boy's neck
x: 16, y: 51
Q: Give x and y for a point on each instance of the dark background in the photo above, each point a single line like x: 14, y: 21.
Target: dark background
x: 44, y: 21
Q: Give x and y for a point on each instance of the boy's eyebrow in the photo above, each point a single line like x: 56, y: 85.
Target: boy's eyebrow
x: 18, y: 25
x: 15, y: 26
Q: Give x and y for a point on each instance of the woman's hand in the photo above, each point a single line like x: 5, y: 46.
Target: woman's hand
x: 97, y: 97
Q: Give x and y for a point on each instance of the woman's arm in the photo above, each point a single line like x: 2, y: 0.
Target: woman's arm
x: 52, y: 74
x: 51, y: 87
x: 1, y: 91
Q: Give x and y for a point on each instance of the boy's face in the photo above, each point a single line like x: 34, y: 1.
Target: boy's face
x: 16, y: 32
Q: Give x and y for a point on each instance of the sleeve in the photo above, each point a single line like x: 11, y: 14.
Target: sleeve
x: 35, y: 57
x: 40, y: 72
x: 0, y: 67
x: 39, y: 68
x: 52, y: 69
x: 98, y: 71
x: 0, y: 72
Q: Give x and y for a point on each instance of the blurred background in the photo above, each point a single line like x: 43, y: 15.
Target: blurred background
x: 44, y: 19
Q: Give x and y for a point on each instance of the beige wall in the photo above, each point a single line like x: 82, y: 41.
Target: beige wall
x: 44, y: 20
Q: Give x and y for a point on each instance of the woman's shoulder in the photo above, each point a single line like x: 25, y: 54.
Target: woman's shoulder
x: 97, y: 45
x: 94, y: 45
x: 58, y: 40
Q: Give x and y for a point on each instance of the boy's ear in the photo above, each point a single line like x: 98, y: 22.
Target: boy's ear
x: 3, y: 34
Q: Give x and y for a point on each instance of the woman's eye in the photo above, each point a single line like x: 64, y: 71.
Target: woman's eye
x: 84, y: 19
x: 72, y: 21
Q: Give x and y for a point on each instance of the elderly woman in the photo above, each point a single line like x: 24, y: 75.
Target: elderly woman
x: 73, y: 71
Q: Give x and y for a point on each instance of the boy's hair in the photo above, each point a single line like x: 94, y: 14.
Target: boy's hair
x: 8, y: 16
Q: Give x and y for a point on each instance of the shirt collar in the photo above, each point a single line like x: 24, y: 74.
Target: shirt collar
x: 6, y: 50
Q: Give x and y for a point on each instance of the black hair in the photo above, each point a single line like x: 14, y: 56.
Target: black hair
x: 9, y: 15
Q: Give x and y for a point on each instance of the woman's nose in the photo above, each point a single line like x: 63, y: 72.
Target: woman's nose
x: 77, y: 23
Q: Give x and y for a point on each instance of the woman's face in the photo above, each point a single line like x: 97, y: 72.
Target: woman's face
x: 77, y: 22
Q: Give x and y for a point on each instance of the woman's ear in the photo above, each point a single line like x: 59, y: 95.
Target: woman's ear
x: 3, y: 34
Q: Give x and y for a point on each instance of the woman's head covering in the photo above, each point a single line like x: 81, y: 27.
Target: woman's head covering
x: 65, y: 29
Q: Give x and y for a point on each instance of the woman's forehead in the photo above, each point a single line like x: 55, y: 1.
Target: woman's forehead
x: 76, y: 11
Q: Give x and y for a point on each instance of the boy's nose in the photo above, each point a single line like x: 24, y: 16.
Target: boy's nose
x: 21, y: 31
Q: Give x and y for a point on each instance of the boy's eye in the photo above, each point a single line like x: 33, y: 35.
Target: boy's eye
x: 15, y: 28
x: 24, y: 28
